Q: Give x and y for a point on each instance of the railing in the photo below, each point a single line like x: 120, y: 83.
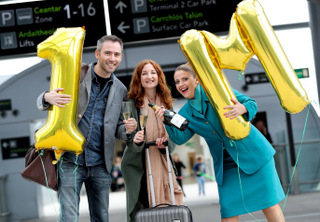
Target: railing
x: 285, y: 167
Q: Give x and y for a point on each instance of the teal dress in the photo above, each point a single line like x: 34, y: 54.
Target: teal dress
x: 244, y: 169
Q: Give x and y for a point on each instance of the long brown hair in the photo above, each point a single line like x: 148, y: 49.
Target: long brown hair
x: 136, y: 91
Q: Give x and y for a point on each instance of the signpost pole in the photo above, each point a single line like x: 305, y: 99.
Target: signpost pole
x: 295, y: 178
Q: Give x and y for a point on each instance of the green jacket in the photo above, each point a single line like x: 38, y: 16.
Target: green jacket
x: 133, y: 169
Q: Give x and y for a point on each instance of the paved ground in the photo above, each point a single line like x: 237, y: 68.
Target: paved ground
x: 298, y: 208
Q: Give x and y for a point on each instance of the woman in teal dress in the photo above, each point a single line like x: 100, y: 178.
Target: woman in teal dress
x: 244, y: 169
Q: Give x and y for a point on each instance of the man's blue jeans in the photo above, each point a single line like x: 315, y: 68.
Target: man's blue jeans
x: 97, y: 182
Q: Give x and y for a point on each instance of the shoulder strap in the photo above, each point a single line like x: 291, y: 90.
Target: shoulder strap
x: 84, y: 69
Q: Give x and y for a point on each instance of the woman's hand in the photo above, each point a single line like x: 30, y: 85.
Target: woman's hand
x: 159, y: 113
x: 139, y: 137
x: 160, y: 142
x: 235, y: 110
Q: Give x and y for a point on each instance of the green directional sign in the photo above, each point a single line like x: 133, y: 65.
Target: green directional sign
x: 254, y: 78
x: 302, y: 73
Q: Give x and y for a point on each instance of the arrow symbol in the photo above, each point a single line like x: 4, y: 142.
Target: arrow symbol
x: 248, y: 79
x: 5, y: 145
x: 121, y: 5
x: 122, y: 27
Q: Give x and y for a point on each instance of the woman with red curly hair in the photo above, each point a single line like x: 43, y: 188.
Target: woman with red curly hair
x: 148, y: 84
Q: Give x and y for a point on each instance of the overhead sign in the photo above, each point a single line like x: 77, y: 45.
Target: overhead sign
x: 139, y: 20
x: 254, y: 78
x: 15, y: 147
x: 24, y: 25
x: 5, y: 104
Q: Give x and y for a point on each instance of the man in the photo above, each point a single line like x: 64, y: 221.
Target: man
x: 260, y: 125
x: 199, y: 168
x: 100, y: 120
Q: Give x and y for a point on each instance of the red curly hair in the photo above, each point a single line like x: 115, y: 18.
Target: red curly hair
x: 137, y: 92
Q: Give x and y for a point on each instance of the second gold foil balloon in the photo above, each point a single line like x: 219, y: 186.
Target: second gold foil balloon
x: 64, y: 50
x: 262, y: 39
x: 250, y: 33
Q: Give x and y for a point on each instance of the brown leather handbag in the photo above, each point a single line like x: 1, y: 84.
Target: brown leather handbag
x: 39, y: 168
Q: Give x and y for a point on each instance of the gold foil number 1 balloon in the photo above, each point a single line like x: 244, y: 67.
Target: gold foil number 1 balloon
x: 250, y: 33
x: 64, y: 50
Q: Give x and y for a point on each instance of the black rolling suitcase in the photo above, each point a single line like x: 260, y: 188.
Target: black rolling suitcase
x: 163, y: 212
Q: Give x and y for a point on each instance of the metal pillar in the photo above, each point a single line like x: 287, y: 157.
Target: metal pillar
x: 3, y: 204
x: 314, y: 13
x: 295, y: 179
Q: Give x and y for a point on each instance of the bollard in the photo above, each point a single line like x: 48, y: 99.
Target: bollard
x: 3, y: 207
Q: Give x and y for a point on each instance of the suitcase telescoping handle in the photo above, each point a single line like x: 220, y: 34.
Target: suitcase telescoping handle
x: 147, y: 145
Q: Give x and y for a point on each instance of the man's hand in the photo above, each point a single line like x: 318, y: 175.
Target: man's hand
x: 57, y: 99
x: 131, y: 124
